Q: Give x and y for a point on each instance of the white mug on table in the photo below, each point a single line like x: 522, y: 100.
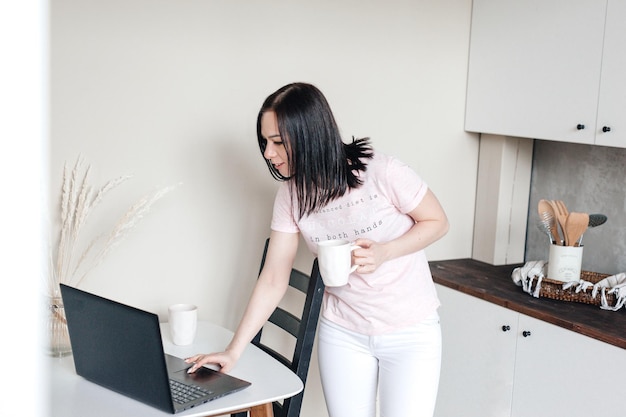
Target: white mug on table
x: 183, y: 320
x: 335, y: 261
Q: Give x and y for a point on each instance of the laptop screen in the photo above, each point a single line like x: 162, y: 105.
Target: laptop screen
x: 118, y: 347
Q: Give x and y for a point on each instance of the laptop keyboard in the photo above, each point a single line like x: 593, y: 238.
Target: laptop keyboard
x: 183, y: 393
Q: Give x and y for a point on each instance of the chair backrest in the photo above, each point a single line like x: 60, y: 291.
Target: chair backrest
x: 302, y: 329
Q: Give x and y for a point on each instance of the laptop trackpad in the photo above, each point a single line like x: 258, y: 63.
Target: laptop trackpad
x: 211, y: 379
x: 201, y: 377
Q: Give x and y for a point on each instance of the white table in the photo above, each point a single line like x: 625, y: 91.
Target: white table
x: 73, y: 396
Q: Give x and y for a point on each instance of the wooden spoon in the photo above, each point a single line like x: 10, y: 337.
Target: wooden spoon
x: 546, y: 213
x: 575, y: 226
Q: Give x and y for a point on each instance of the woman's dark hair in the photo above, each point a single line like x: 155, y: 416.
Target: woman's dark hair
x: 322, y: 167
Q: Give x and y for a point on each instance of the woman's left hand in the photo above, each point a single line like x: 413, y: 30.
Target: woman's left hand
x: 371, y: 255
x: 430, y: 225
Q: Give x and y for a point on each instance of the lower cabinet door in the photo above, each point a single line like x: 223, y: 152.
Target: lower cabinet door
x: 562, y: 373
x: 478, y: 356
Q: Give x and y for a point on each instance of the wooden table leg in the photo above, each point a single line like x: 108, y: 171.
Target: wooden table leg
x: 263, y: 410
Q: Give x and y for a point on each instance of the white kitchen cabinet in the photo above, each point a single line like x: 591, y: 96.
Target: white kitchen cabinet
x: 544, y: 69
x: 611, y: 126
x: 529, y: 369
x: 562, y: 373
x: 478, y: 358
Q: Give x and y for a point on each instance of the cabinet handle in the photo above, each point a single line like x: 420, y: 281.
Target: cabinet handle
x: 506, y: 328
x: 606, y: 129
x: 580, y: 126
x: 526, y: 333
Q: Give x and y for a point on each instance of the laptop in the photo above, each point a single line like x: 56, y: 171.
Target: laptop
x: 120, y: 348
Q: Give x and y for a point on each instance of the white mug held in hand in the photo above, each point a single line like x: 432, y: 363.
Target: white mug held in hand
x: 183, y: 319
x: 335, y: 261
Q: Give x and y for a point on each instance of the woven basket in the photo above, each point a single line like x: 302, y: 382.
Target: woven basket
x: 554, y: 289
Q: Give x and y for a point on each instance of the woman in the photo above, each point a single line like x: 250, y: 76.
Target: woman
x: 380, y: 333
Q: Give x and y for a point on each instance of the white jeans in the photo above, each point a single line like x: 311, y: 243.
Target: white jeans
x: 401, y: 367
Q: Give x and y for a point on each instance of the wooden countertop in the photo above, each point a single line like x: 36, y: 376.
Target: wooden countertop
x: 494, y: 284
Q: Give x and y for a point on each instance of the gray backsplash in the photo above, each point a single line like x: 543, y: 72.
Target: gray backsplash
x: 589, y: 179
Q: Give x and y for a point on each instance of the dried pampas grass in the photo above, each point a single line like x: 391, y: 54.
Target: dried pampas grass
x: 78, y: 200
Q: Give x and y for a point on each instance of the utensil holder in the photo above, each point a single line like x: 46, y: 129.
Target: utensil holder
x: 565, y: 262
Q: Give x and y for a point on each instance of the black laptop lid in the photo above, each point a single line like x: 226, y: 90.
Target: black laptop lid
x: 118, y: 347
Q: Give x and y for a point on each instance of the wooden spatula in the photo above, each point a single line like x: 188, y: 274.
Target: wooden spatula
x: 575, y: 225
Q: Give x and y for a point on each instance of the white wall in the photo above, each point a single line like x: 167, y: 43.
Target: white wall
x: 169, y: 91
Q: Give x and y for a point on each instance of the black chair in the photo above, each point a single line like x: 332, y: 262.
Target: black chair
x: 302, y: 329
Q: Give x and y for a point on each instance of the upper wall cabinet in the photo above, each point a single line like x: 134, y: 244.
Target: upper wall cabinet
x: 611, y: 126
x: 545, y: 69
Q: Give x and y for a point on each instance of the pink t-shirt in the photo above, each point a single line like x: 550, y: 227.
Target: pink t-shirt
x: 400, y: 292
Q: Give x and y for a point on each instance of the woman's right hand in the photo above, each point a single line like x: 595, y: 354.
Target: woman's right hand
x: 225, y: 360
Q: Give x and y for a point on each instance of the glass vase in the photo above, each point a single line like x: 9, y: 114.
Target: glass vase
x: 58, y: 336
